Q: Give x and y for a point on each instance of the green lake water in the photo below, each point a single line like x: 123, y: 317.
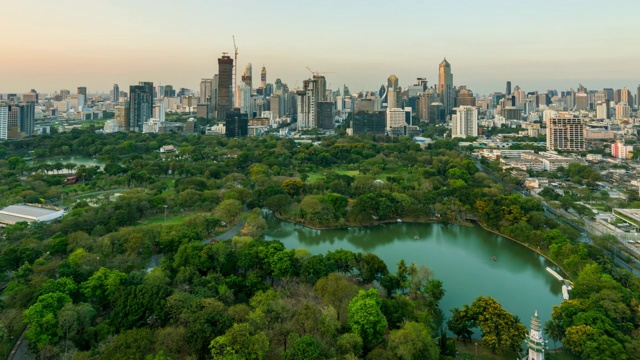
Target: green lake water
x: 459, y: 256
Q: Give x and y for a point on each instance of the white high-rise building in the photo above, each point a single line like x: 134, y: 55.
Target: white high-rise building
x: 464, y: 122
x: 4, y: 122
x: 602, y: 110
x: 565, y: 133
x: 395, y: 117
x: 307, y: 105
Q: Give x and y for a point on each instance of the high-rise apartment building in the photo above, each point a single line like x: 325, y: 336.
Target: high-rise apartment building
x: 464, y: 122
x: 169, y: 91
x: 122, y: 115
x: 140, y: 105
x: 4, y: 122
x: 308, y: 99
x: 445, y: 86
x: 225, y: 83
x: 206, y: 91
x: 565, y: 133
x: 623, y: 111
x: 626, y: 96
x: 325, y: 115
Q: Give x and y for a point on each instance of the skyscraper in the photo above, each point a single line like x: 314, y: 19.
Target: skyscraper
x: 392, y: 92
x: 82, y: 90
x: 263, y: 77
x: 225, y: 82
x: 140, y: 105
x: 116, y: 93
x: 464, y: 122
x: 445, y: 86
x: 508, y: 90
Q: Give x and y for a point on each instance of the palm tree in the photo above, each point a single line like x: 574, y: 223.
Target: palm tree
x: 554, y: 330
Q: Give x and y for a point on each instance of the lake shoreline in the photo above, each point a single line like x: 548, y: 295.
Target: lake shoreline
x: 427, y: 221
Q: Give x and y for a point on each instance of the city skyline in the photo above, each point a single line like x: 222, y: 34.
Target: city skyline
x: 537, y: 46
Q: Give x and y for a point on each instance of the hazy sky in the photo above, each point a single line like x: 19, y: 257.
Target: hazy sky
x: 52, y: 45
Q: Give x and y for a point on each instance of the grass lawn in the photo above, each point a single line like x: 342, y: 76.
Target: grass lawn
x: 171, y: 219
x: 319, y: 175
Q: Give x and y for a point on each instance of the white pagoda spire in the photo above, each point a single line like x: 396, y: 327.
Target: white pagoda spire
x: 535, y: 341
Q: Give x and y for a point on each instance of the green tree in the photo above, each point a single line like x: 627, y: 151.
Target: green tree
x: 305, y: 348
x: 103, y: 285
x: 553, y: 330
x: 42, y: 319
x: 228, y: 210
x: 500, y: 329
x: 412, y: 342
x: 240, y: 342
x: 336, y: 290
x: 366, y: 319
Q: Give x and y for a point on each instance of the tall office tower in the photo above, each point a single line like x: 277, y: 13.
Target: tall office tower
x: 27, y: 117
x: 13, y: 122
x: 565, y: 133
x: 236, y: 124
x: 345, y: 91
x: 508, y: 92
x: 206, y: 91
x: 122, y: 114
x: 608, y: 93
x: 638, y: 97
x: 464, y: 122
x: 263, y: 77
x: 225, y: 82
x: 602, y: 110
x: 392, y: 92
x: 582, y: 99
x: 276, y: 107
x: 116, y: 93
x: 168, y: 91
x: 244, y: 94
x: 214, y: 96
x: 4, y: 121
x: 445, y: 86
x: 64, y: 93
x: 626, y: 96
x: 140, y: 105
x: 82, y: 90
x: 518, y: 94
x: 623, y: 111
x: 246, y: 75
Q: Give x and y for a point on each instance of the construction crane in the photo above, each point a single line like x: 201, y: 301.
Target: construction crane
x: 236, y: 99
x: 317, y: 73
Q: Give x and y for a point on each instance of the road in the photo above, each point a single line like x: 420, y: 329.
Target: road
x: 227, y: 235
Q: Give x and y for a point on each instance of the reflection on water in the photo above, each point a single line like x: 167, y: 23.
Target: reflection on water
x: 460, y: 256
x: 78, y: 160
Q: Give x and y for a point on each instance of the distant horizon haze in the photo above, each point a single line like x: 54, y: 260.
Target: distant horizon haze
x: 538, y: 46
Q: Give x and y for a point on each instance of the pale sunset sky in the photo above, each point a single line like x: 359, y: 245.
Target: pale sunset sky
x: 539, y: 45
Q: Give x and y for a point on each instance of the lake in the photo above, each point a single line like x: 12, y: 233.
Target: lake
x: 460, y: 256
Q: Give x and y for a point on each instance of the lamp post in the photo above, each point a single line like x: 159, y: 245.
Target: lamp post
x: 476, y: 350
x: 165, y: 213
